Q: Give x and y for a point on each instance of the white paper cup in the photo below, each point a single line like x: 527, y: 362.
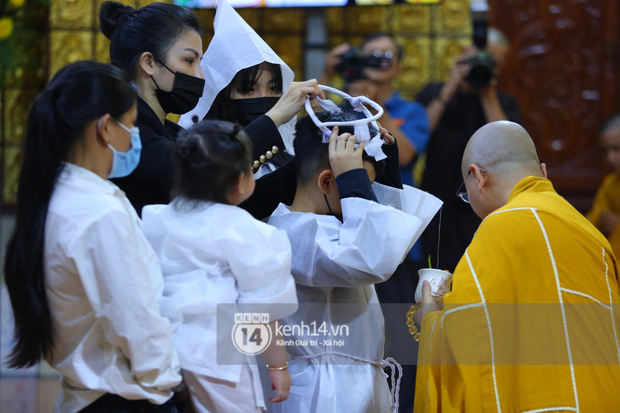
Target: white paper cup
x: 439, y: 280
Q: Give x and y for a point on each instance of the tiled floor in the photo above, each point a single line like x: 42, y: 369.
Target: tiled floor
x: 28, y: 394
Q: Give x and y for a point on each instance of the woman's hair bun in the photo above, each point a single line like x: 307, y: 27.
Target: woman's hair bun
x: 111, y: 14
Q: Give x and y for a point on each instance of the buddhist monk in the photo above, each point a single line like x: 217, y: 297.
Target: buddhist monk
x: 531, y: 323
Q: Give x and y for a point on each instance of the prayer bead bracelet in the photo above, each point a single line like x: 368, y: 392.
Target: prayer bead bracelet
x: 263, y: 158
x: 411, y: 321
x: 278, y: 368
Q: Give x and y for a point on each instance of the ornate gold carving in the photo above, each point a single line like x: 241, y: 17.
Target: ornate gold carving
x: 446, y: 51
x: 371, y: 19
x: 411, y: 19
x: 12, y: 165
x: 290, y: 49
x: 18, y: 102
x: 453, y: 16
x: 415, y: 67
x: 68, y: 47
x: 251, y: 16
x: 284, y: 20
x: 335, y: 19
x: 102, y: 48
x: 71, y: 14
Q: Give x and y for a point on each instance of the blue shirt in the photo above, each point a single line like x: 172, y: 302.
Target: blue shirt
x: 412, y: 120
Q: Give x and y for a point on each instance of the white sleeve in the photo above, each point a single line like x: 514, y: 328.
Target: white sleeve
x: 259, y: 255
x: 121, y: 274
x: 366, y: 248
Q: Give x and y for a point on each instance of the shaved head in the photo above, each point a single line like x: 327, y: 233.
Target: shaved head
x: 503, y: 147
x: 496, y: 158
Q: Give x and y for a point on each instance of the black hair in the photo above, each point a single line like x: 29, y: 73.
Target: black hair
x: 243, y: 81
x: 377, y: 35
x: 77, y: 95
x: 312, y: 154
x: 153, y: 28
x: 208, y: 159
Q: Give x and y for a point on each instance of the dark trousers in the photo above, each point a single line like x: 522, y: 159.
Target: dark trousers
x: 396, y: 295
x: 112, y: 403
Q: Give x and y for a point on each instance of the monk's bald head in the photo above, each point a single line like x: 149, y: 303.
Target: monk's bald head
x: 502, y: 147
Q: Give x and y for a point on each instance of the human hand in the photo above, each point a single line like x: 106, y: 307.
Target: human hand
x: 343, y: 155
x: 429, y: 303
x: 386, y: 136
x: 291, y: 102
x: 333, y: 58
x: 608, y: 221
x: 281, y: 383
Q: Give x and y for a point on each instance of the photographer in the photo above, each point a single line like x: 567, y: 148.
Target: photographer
x: 456, y: 109
x: 371, y: 71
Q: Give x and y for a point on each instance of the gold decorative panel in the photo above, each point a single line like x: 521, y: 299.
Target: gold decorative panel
x: 415, y: 68
x: 71, y: 14
x: 68, y: 47
x: 287, y: 20
x: 446, y: 51
x: 452, y: 16
x: 102, y: 48
x: 411, y: 19
x: 290, y: 49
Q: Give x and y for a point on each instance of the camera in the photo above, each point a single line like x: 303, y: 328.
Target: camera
x: 353, y: 62
x: 482, y: 69
x: 482, y: 63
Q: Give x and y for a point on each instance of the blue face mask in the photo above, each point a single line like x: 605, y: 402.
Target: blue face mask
x: 124, y: 163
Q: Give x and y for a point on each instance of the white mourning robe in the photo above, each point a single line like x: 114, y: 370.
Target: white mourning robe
x: 214, y: 254
x: 335, y: 265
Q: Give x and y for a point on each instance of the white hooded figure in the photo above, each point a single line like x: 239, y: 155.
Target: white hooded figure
x: 244, y: 77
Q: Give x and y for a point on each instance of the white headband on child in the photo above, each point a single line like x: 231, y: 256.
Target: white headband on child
x: 372, y: 145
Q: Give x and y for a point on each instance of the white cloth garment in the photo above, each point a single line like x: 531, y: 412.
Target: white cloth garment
x: 335, y: 265
x: 235, y: 46
x: 103, y: 284
x: 212, y: 254
x: 215, y: 395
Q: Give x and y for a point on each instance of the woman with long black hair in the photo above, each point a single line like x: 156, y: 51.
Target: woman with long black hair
x: 84, y: 283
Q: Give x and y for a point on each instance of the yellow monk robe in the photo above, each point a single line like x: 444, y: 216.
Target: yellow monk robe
x: 608, y: 199
x: 557, y: 349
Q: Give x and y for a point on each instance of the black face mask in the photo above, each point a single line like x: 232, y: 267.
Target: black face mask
x: 245, y: 111
x: 186, y: 91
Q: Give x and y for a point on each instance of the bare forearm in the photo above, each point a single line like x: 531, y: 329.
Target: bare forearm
x: 406, y: 150
x: 275, y: 355
x: 492, y: 108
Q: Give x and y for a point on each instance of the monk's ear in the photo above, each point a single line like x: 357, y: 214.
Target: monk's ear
x: 543, y: 169
x: 480, y: 175
x: 325, y: 181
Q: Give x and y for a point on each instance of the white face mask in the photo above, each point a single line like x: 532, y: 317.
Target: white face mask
x: 372, y: 145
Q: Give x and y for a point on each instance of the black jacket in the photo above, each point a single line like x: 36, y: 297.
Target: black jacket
x: 151, y: 182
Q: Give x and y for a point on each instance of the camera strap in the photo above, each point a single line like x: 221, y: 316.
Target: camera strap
x: 372, y: 145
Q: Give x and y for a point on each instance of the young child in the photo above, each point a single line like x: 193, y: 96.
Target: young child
x: 212, y: 252
x: 342, y: 245
x: 605, y: 212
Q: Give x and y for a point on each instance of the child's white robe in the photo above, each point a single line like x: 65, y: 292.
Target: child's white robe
x: 212, y: 254
x: 335, y: 265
